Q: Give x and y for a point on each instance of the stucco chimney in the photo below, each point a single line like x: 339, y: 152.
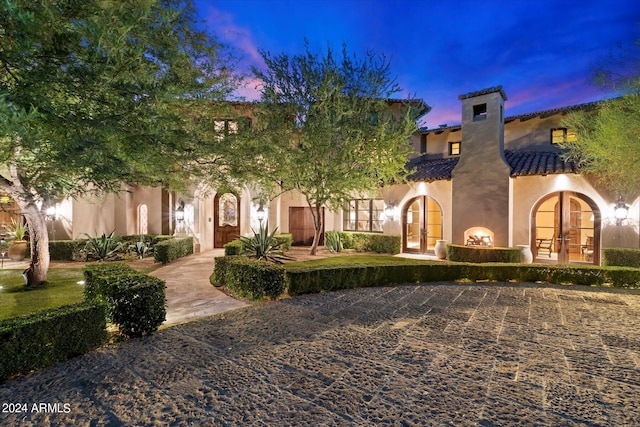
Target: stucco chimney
x: 480, y: 180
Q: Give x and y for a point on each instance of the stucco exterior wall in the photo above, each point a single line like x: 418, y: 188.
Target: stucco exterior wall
x: 531, y: 135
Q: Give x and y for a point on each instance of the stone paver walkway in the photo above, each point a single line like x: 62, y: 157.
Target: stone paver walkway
x: 437, y: 354
x: 190, y: 294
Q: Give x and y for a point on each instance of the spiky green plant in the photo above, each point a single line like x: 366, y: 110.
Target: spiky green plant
x: 333, y: 241
x: 103, y: 247
x: 264, y: 246
x: 141, y: 248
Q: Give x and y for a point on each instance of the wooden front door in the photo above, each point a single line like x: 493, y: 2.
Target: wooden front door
x: 226, y: 217
x: 301, y: 226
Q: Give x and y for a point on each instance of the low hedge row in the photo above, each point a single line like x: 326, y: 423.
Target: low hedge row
x: 74, y: 250
x: 622, y: 257
x: 170, y: 250
x: 51, y: 336
x: 235, y: 247
x: 318, y: 279
x: 135, y: 302
x: 479, y: 254
x: 371, y: 242
x: 249, y: 277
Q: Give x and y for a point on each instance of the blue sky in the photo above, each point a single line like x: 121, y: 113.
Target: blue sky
x: 540, y: 51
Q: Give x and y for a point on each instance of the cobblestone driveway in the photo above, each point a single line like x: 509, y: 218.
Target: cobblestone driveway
x: 445, y: 354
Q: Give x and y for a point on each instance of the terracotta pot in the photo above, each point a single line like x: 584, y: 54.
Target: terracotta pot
x: 440, y: 249
x: 18, y: 250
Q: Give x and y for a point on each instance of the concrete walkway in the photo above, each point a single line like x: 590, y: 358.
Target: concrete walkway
x: 190, y: 295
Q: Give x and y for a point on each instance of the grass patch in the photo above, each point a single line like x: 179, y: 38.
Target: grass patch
x: 355, y: 260
x: 61, y: 289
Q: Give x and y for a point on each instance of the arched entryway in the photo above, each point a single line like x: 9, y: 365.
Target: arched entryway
x: 565, y: 229
x: 226, y: 217
x: 421, y: 225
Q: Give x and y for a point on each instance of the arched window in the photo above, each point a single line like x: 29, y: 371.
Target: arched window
x: 143, y: 219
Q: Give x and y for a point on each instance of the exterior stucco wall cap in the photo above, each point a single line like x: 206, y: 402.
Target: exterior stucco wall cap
x: 484, y: 92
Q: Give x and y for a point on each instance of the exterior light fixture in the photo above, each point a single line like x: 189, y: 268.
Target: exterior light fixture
x: 50, y: 213
x: 260, y: 213
x: 388, y: 211
x: 180, y: 211
x: 621, y: 211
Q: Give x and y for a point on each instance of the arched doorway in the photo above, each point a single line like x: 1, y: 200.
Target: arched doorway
x: 565, y: 229
x: 421, y: 225
x: 226, y: 217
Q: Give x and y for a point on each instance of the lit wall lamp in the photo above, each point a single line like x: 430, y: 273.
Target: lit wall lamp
x: 180, y: 211
x: 260, y: 213
x: 621, y: 211
x: 390, y: 209
x: 51, y: 213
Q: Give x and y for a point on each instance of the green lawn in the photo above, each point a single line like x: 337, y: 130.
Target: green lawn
x: 62, y: 288
x: 355, y: 260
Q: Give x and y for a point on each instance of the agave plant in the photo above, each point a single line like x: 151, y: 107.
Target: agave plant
x: 264, y: 246
x: 333, y: 241
x: 140, y: 248
x: 103, y: 247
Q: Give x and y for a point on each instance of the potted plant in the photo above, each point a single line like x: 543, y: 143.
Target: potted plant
x: 18, y: 246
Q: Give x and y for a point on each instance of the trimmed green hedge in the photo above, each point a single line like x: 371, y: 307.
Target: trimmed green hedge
x: 135, y: 302
x: 622, y: 257
x: 50, y: 336
x: 170, y: 250
x: 249, y: 277
x: 68, y: 250
x: 480, y: 254
x: 286, y: 239
x: 371, y: 242
x: 318, y: 279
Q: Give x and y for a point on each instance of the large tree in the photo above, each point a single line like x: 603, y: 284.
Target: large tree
x: 327, y: 127
x: 97, y: 93
x: 608, y: 143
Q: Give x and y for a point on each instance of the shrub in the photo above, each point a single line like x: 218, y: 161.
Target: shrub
x: 622, y: 257
x: 285, y: 240
x: 234, y: 247
x: 135, y: 302
x: 249, y: 277
x: 371, y: 242
x: 170, y: 250
x: 482, y: 254
x: 140, y: 248
x: 68, y: 250
x: 316, y: 279
x: 51, y: 336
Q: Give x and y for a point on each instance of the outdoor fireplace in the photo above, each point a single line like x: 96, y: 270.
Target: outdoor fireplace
x: 478, y: 236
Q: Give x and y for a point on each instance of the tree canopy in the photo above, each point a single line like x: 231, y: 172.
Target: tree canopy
x: 93, y: 94
x: 608, y: 143
x: 327, y: 126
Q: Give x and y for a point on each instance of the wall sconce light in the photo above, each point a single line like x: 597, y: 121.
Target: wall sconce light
x: 621, y: 211
x: 180, y: 211
x: 389, y: 210
x: 51, y: 213
x: 260, y: 213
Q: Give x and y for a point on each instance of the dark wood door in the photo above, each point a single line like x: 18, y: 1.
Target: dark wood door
x: 226, y: 217
x: 301, y: 226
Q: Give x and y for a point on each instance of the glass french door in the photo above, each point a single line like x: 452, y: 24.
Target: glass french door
x: 421, y: 225
x: 566, y: 229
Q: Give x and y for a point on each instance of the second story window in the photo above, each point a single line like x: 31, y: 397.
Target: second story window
x: 454, y: 148
x: 225, y: 128
x: 559, y: 135
x: 479, y: 112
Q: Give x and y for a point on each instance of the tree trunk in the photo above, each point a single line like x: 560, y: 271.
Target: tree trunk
x: 36, y: 273
x: 317, y: 224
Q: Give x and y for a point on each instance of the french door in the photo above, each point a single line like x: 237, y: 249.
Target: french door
x: 566, y: 229
x: 421, y: 225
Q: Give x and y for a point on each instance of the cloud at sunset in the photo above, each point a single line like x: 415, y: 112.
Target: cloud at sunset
x: 541, y: 52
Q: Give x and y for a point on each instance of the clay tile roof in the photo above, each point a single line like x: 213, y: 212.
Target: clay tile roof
x: 484, y: 92
x: 527, y: 163
x: 432, y: 169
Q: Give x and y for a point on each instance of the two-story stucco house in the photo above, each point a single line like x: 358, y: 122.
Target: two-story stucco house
x: 493, y: 180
